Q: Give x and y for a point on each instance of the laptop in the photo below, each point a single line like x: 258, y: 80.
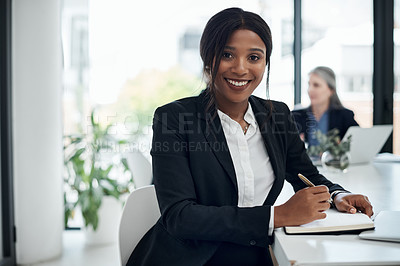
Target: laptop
x: 386, y: 227
x: 366, y: 142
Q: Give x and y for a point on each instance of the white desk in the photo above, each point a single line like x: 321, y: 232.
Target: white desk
x: 381, y: 183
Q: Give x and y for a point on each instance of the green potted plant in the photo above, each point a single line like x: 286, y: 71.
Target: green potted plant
x: 334, y: 153
x: 89, y: 177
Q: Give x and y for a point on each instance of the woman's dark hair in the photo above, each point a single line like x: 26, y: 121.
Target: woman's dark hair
x: 329, y: 77
x: 216, y: 34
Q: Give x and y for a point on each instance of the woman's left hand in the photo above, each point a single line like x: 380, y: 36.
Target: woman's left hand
x: 351, y: 203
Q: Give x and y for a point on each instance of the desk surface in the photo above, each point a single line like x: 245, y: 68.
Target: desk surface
x: 381, y: 183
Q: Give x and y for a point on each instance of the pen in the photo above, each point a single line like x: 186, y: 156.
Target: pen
x: 309, y: 183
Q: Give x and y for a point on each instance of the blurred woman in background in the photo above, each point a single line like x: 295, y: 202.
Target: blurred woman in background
x: 325, y: 112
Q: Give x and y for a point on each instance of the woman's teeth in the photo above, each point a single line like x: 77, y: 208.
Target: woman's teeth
x: 237, y: 83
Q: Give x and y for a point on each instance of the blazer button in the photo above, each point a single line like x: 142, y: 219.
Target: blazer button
x: 253, y: 242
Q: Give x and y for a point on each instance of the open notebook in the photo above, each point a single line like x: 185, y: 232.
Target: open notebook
x: 335, y: 223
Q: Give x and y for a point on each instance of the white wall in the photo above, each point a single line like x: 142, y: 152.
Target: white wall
x: 37, y: 127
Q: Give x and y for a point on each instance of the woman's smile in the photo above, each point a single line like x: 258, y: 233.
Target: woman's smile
x: 238, y: 84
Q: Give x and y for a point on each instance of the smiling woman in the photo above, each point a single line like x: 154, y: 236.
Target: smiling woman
x: 216, y: 201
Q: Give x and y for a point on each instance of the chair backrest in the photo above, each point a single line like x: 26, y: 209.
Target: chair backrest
x: 140, y: 213
x: 140, y: 168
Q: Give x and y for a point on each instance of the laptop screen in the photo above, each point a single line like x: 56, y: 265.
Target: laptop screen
x: 366, y: 142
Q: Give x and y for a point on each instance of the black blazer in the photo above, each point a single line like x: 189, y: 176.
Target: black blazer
x: 196, y: 185
x: 341, y: 119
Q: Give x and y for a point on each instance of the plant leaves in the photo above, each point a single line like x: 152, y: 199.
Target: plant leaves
x: 88, y: 175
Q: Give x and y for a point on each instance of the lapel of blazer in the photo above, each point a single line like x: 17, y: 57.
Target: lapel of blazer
x: 270, y: 136
x: 215, y: 137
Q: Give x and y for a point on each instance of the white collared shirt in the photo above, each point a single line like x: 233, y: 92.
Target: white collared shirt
x: 254, y: 173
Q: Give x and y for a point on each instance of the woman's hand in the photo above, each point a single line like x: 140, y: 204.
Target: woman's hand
x: 303, y: 207
x: 351, y: 203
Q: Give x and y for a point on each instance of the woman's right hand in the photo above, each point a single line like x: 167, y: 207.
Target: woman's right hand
x: 303, y: 207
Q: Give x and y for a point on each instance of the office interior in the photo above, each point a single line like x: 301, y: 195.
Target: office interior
x: 61, y: 59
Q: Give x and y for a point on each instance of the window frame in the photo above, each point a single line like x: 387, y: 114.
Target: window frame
x: 7, y: 202
x: 383, y: 66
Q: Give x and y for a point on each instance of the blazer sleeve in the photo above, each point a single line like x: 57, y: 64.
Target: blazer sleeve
x: 181, y: 214
x: 341, y: 119
x: 348, y: 121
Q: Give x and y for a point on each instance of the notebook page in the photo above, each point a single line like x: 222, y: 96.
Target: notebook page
x: 335, y: 218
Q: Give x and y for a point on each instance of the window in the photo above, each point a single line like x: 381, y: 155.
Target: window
x: 128, y: 62
x: 125, y: 61
x: 339, y: 34
x: 279, y: 16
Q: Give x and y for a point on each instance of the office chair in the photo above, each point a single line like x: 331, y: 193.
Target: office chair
x: 140, y: 168
x: 140, y: 213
